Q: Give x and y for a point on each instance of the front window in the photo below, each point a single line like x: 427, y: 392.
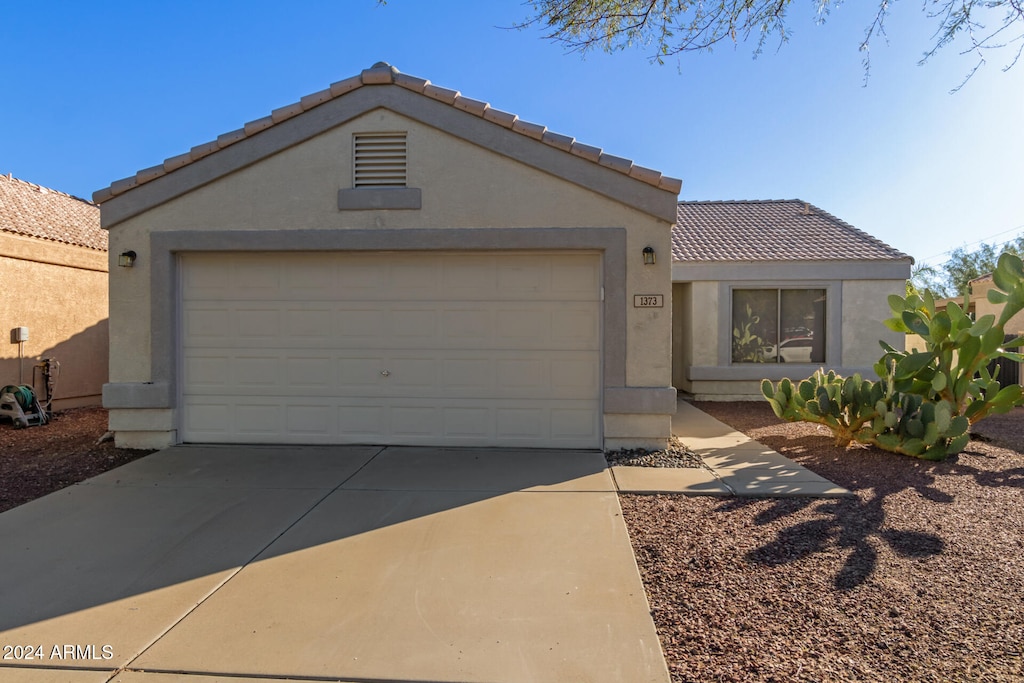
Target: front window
x: 778, y: 326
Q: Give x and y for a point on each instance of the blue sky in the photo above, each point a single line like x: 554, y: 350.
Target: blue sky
x: 93, y: 92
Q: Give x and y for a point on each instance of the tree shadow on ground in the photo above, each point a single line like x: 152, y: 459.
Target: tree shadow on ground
x: 857, y: 526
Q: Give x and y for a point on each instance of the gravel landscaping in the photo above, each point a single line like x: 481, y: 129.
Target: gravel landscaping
x: 38, y: 460
x: 918, y: 578
x: 675, y: 455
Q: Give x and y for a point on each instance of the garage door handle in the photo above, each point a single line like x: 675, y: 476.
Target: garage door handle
x: 385, y: 373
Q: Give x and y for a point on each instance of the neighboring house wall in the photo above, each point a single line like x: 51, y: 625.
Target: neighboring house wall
x: 982, y: 306
x: 465, y: 187
x: 58, y: 291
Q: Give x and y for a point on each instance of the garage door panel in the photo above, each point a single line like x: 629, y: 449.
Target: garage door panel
x: 258, y: 324
x: 262, y: 420
x: 572, y: 423
x: 206, y: 324
x: 468, y: 423
x: 410, y: 422
x: 355, y: 326
x: 577, y: 276
x: 310, y: 419
x: 402, y: 348
x: 313, y: 323
x: 410, y: 327
x: 480, y: 375
x: 573, y: 327
x: 255, y: 373
x: 310, y: 373
x: 207, y: 372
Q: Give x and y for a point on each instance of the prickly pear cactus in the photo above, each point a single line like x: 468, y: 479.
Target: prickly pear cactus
x: 926, y: 400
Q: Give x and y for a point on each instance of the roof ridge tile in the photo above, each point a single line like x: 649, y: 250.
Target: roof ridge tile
x: 470, y: 105
x: 413, y: 83
x: 502, y: 118
x: 316, y: 99
x: 346, y: 85
x: 445, y: 95
x: 383, y: 73
x: 380, y: 73
x: 620, y: 164
x: 562, y: 142
x: 588, y: 152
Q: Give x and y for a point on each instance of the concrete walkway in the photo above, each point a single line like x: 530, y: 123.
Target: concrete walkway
x: 735, y: 465
x: 369, y: 564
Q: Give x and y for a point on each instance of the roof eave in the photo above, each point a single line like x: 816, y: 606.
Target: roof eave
x: 383, y: 87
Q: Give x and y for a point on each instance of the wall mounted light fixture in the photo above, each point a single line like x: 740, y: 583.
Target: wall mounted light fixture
x: 126, y: 259
x: 648, y: 256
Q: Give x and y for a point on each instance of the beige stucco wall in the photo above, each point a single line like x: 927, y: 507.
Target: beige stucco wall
x: 463, y: 186
x: 864, y: 307
x: 982, y: 307
x: 59, y: 292
x: 979, y: 304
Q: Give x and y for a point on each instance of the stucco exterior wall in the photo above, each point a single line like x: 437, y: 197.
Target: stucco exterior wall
x: 854, y: 325
x: 862, y: 331
x: 59, y: 292
x: 982, y: 307
x: 464, y: 187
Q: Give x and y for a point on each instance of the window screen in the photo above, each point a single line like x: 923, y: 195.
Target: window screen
x: 778, y: 325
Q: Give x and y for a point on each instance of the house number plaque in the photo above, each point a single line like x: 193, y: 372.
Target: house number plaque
x: 648, y: 300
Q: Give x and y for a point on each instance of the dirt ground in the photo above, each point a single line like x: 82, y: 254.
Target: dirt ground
x: 38, y: 460
x: 920, y: 577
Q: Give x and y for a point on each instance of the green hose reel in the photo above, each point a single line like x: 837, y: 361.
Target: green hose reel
x: 23, y: 394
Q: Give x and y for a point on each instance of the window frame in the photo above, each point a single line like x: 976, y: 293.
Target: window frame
x: 833, y: 329
x: 778, y: 321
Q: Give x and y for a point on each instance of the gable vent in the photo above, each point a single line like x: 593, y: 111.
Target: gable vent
x: 379, y: 160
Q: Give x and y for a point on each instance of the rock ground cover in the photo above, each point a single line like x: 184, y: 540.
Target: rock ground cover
x: 918, y: 578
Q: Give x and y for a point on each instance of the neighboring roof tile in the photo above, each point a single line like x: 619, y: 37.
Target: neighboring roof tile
x: 770, y: 230
x: 385, y: 74
x: 35, y: 211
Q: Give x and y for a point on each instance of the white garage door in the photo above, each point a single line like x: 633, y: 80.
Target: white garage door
x: 407, y: 348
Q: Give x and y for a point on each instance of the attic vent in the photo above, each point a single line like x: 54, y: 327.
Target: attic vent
x: 379, y: 160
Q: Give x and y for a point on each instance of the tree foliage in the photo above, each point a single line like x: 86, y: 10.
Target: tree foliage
x: 964, y: 266
x: 953, y: 278
x: 926, y: 278
x: 672, y: 27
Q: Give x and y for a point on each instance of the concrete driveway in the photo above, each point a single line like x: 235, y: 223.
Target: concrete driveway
x: 365, y: 564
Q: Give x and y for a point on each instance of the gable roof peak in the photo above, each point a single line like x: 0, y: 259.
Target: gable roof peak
x: 383, y: 73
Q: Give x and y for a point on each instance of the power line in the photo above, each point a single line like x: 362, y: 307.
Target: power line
x: 970, y: 244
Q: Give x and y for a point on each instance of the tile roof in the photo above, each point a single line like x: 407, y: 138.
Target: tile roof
x: 382, y: 73
x: 35, y: 211
x: 770, y: 230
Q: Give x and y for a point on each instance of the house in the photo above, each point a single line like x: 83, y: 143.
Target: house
x: 977, y: 307
x: 980, y: 306
x: 53, y: 264
x: 387, y: 261
x: 773, y: 289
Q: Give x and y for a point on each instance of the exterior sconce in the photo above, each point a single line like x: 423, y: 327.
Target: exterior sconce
x: 126, y: 259
x: 648, y: 256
